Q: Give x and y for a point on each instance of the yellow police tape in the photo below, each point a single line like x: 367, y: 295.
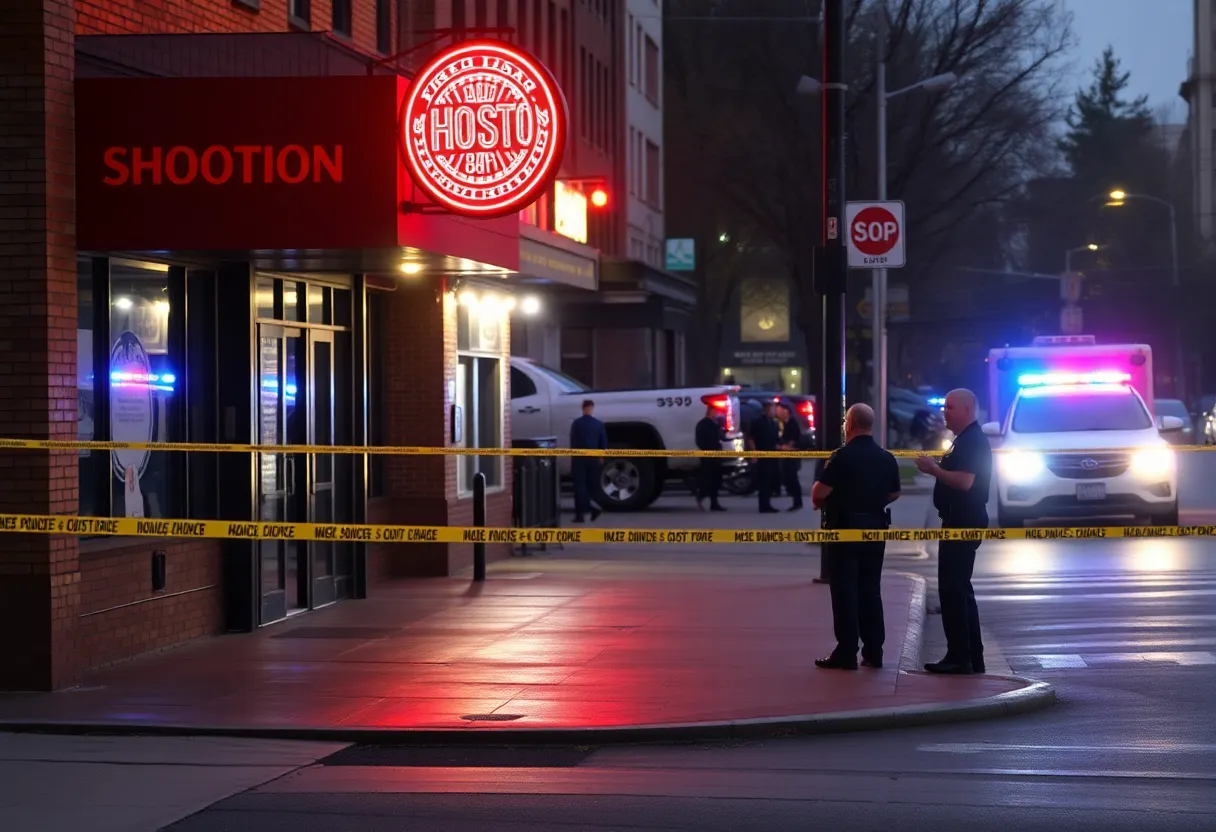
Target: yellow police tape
x: 351, y: 532
x: 423, y: 450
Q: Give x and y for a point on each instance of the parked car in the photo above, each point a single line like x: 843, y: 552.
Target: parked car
x: 1174, y: 407
x: 545, y: 401
x: 915, y: 420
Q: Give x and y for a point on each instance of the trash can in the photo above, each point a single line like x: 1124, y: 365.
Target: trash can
x: 537, y: 489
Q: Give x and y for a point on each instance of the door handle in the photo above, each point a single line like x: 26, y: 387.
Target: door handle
x: 529, y: 409
x: 290, y: 469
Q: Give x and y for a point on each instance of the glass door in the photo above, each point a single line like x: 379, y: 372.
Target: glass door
x: 322, y: 493
x: 282, y: 487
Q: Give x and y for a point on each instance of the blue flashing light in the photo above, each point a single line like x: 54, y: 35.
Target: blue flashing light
x: 1073, y: 379
x: 162, y: 382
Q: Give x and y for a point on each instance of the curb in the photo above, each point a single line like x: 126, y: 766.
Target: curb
x: 1033, y: 697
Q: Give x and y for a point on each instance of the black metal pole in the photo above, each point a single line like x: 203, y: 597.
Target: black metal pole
x: 834, y: 260
x: 831, y: 268
x: 479, y: 520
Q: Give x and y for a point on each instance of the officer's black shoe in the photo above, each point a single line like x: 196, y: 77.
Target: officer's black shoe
x: 949, y: 668
x: 595, y: 514
x: 833, y: 663
x: 978, y: 667
x: 874, y: 663
x: 795, y: 507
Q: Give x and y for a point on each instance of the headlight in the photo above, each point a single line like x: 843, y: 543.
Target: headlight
x: 1020, y: 466
x: 1153, y: 463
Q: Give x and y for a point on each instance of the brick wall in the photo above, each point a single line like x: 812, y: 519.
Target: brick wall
x: 120, y: 615
x: 127, y: 17
x: 422, y: 489
x: 39, y: 576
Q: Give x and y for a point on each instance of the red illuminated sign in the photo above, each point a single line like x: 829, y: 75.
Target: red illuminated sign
x: 483, y: 128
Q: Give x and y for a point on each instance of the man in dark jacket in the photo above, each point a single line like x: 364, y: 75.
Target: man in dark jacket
x: 765, y: 436
x: 709, y: 438
x: 791, y: 435
x: 586, y: 432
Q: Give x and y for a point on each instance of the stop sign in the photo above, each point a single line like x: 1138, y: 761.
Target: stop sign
x: 876, y: 234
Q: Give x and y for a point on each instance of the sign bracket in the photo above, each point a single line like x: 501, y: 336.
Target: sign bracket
x: 440, y: 35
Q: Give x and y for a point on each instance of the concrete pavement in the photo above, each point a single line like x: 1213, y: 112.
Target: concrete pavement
x: 537, y: 657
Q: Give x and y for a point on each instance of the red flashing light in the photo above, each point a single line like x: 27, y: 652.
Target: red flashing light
x: 721, y: 402
x: 599, y: 198
x: 807, y: 409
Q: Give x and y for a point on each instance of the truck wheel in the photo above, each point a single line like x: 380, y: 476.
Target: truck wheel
x: 1007, y: 519
x: 627, y: 484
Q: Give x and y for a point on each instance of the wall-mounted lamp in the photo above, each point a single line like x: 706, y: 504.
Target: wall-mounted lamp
x: 411, y: 268
x: 489, y: 301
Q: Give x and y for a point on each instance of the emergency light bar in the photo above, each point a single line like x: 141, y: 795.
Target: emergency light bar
x: 1073, y: 379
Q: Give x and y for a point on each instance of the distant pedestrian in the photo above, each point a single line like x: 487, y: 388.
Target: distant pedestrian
x: 586, y: 433
x: 709, y: 438
x: 961, y: 499
x: 853, y: 491
x: 790, y: 440
x: 765, y: 436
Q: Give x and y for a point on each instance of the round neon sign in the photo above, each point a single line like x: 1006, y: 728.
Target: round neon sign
x: 483, y: 128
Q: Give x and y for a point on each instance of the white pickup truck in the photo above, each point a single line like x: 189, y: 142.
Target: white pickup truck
x: 544, y: 402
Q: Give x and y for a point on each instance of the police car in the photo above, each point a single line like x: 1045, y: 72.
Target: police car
x: 1057, y: 460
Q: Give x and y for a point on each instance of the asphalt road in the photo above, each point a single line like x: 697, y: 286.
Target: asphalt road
x: 1125, y: 629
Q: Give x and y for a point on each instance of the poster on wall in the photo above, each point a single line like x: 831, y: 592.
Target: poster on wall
x: 131, y: 416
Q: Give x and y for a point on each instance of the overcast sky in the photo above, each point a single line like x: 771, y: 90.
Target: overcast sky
x: 1153, y: 39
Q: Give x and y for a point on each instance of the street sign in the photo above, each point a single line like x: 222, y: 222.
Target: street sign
x: 1070, y: 287
x: 876, y: 234
x: 681, y: 255
x: 1071, y: 320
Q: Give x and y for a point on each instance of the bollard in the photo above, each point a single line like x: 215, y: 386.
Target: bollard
x: 479, y: 520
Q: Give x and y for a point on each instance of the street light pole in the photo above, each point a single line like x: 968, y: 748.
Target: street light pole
x: 878, y: 291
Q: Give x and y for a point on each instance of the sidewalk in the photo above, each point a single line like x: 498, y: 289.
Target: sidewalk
x: 534, y: 656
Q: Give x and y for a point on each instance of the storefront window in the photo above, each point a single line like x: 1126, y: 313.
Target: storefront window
x: 143, y: 387
x: 479, y: 390
x: 143, y: 382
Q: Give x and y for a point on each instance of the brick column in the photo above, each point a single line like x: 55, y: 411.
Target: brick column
x: 39, y: 575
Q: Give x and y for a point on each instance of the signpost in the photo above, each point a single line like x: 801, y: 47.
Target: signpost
x: 876, y: 235
x: 681, y: 255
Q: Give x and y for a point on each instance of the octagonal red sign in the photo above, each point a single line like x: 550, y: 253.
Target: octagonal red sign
x: 483, y: 128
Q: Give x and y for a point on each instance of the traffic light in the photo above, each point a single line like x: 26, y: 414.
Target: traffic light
x: 599, y: 197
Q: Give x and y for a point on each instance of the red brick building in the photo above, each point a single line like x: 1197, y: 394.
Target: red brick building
x: 110, y: 335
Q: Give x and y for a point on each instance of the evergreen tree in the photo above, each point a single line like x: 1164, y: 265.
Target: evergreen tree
x: 1108, y: 135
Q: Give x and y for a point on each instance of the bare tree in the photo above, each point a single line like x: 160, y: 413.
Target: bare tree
x: 736, y: 126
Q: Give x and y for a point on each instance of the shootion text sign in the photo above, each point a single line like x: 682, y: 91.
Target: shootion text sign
x: 483, y: 128
x: 876, y: 234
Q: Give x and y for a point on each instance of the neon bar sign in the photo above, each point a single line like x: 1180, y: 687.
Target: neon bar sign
x: 483, y: 129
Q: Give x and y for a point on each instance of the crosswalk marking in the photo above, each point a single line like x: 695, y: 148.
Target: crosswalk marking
x: 1074, y: 661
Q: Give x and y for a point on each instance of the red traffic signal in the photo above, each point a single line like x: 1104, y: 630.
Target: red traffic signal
x: 599, y: 197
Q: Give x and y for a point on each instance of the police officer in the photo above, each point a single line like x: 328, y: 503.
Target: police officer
x: 586, y: 432
x: 709, y: 438
x: 960, y: 496
x: 853, y: 491
x: 791, y: 438
x: 765, y: 437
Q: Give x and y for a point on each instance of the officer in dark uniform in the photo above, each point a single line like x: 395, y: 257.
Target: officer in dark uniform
x: 960, y: 496
x: 765, y: 437
x: 854, y: 489
x: 709, y: 438
x: 586, y: 432
x: 791, y: 438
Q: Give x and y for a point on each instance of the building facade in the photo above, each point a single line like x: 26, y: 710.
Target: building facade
x: 209, y: 237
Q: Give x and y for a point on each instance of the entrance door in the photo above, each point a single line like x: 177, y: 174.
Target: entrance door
x: 282, y: 488
x: 303, y: 403
x: 323, y: 497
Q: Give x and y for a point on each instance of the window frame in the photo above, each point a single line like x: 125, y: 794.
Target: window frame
x: 384, y: 27
x: 475, y: 358
x: 342, y: 13
x: 303, y: 21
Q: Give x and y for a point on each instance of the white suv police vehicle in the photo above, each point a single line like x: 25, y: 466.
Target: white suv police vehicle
x: 1056, y: 460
